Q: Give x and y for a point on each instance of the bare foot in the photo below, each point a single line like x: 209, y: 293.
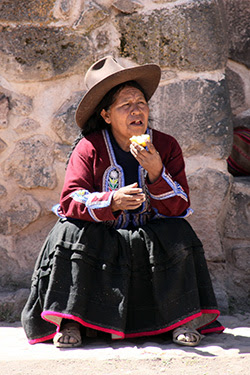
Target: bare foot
x: 186, y: 336
x: 69, y: 336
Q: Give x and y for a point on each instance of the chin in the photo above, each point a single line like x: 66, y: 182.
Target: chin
x: 138, y: 130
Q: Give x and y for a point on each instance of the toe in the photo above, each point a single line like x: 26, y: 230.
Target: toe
x: 186, y: 338
x: 72, y: 340
x: 64, y: 339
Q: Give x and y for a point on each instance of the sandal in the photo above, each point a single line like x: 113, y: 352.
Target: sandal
x: 186, y: 336
x: 73, y: 332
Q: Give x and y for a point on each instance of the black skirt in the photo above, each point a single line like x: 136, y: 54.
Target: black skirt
x: 129, y: 282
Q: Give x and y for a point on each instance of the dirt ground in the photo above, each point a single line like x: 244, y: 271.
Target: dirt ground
x: 218, y: 354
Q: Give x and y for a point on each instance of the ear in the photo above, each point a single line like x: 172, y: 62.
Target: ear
x: 105, y: 115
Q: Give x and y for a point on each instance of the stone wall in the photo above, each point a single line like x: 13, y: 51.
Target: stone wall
x: 204, y: 52
x: 236, y: 235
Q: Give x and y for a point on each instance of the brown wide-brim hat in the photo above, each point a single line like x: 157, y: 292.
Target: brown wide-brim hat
x: 105, y: 74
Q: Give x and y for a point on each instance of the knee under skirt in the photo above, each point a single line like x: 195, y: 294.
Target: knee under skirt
x: 128, y: 282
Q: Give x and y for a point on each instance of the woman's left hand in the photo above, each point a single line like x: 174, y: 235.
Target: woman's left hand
x: 149, y: 159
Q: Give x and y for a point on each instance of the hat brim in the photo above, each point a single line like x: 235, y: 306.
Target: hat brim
x: 148, y: 76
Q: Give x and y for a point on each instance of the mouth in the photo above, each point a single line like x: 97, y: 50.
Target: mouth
x: 136, y: 122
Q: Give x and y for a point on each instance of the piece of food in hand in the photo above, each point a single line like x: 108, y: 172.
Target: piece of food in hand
x: 140, y: 139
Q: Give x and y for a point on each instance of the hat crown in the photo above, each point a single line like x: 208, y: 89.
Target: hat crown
x: 102, y: 69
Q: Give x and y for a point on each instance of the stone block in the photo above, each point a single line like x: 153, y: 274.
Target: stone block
x: 197, y: 113
x: 31, y: 163
x: 19, y: 251
x: 35, y: 53
x: 242, y: 119
x: 3, y: 191
x: 208, y: 192
x: 64, y: 8
x: 64, y: 124
x: 92, y: 17
x: 238, y: 17
x: 61, y: 152
x: 237, y: 221
x: 12, y: 304
x: 3, y: 145
x: 26, y: 11
x: 218, y: 274
x: 186, y: 36
x: 241, y: 259
x: 18, y: 104
x: 28, y: 125
x: 30, y: 241
x: 102, y: 39
x: 17, y: 214
x: 236, y: 90
x: 163, y: 1
x: 65, y: 5
x: 8, y: 268
x: 4, y: 110
x: 127, y: 6
x: 238, y: 280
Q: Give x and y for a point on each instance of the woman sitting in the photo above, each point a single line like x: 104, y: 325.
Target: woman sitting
x: 121, y: 259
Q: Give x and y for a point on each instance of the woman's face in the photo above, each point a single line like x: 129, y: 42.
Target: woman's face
x: 127, y: 116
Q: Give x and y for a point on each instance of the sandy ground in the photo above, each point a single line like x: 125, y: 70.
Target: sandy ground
x: 218, y: 354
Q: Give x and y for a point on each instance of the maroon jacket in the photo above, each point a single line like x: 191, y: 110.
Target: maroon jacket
x: 93, y: 175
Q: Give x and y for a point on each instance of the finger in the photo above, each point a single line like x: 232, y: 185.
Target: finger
x: 132, y: 191
x: 136, y: 145
x: 131, y: 200
x: 136, y: 148
x: 134, y: 153
x: 152, y: 149
x: 136, y: 197
x: 138, y: 154
x: 133, y: 185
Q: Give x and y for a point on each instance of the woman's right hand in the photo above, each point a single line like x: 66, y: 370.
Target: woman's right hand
x: 128, y: 197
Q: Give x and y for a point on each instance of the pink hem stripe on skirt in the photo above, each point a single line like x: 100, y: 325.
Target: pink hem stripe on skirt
x: 210, y: 312
x: 163, y: 330
x: 121, y: 334
x: 41, y: 339
x: 211, y: 330
x: 79, y: 320
x: 118, y: 333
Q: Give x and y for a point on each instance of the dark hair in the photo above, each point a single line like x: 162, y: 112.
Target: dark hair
x: 96, y: 122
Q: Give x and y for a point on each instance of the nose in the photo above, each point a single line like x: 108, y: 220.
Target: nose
x: 135, y: 109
